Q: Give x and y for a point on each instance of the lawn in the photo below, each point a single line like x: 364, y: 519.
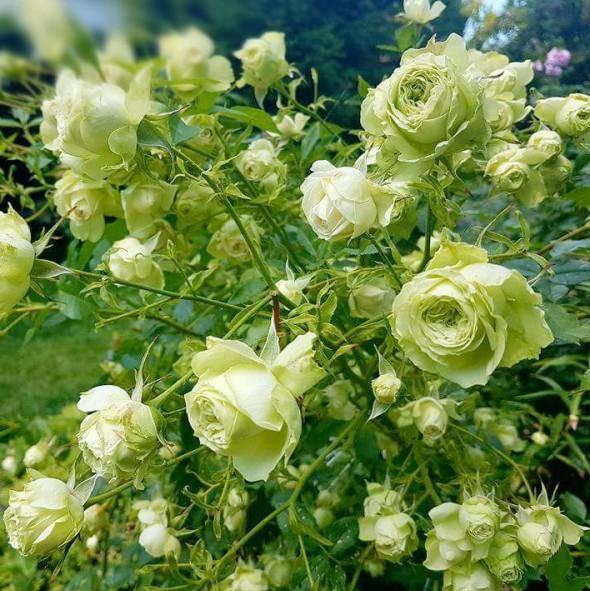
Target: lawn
x: 51, y: 370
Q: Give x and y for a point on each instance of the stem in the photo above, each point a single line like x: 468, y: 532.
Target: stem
x: 386, y: 260
x: 283, y: 237
x: 294, y: 496
x: 502, y: 455
x: 256, y: 256
x: 425, y: 474
x: 165, y: 292
x: 567, y: 236
x: 160, y: 399
x: 109, y: 493
x: 427, y: 237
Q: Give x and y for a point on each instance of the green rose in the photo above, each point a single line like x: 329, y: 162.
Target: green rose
x: 93, y: 127
x: 145, y: 201
x: 463, y: 316
x: 85, y: 203
x: 512, y: 171
x: 568, y: 115
x: 119, y: 435
x: 542, y: 529
x: 17, y: 256
x: 428, y: 107
x: 504, y: 559
x: 191, y: 66
x: 245, y: 407
x: 130, y: 260
x: 475, y: 577
x: 45, y: 515
x: 228, y: 243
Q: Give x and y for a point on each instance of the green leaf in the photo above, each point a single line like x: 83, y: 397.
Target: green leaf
x: 250, y: 116
x: 362, y: 86
x: 557, y: 570
x: 181, y: 132
x: 565, y: 327
x: 311, y: 138
x: 574, y: 506
x: 580, y: 196
x: 43, y: 269
x: 149, y: 135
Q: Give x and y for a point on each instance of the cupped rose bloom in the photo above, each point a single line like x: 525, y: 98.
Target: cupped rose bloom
x: 119, y: 435
x: 245, y: 407
x: 463, y: 317
x: 263, y: 61
x: 338, y: 202
x: 542, y: 530
x: 291, y: 127
x: 48, y: 26
x: 17, y: 256
x: 45, y: 515
x: 568, y: 115
x: 556, y: 172
x: 85, y: 203
x: 260, y: 163
x: 278, y: 569
x: 513, y: 171
x: 395, y: 536
x: 93, y: 127
x: 234, y: 510
x: 245, y: 578
x: 504, y: 559
x: 420, y: 11
x: 191, y: 65
x: 130, y: 260
x: 428, y: 107
x: 392, y: 530
x: 36, y: 454
x: 228, y: 243
x: 431, y: 416
x: 546, y: 143
x: 474, y: 577
x: 196, y: 203
x: 157, y: 541
x: 371, y: 299
x: 144, y: 202
x: 504, y: 87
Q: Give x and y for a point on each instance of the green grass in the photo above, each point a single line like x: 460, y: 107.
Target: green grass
x: 39, y: 378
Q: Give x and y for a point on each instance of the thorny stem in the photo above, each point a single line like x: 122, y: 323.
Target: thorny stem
x: 294, y: 496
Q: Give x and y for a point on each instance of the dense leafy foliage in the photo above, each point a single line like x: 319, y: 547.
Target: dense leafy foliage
x: 345, y: 358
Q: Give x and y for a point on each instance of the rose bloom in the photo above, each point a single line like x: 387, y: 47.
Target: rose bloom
x: 245, y: 407
x: 145, y: 201
x: 463, y: 316
x: 93, y: 126
x: 45, y: 515
x: 228, y: 243
x: 568, y: 115
x: 338, y: 202
x: 263, y: 60
x: 475, y: 577
x: 558, y: 57
x: 420, y: 11
x: 191, y: 65
x: 17, y: 256
x: 428, y: 107
x: 119, y: 435
x: 130, y: 260
x: 86, y: 202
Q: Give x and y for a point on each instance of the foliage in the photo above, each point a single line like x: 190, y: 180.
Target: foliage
x: 344, y: 358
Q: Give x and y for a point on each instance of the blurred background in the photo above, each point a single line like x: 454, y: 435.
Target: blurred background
x: 341, y: 38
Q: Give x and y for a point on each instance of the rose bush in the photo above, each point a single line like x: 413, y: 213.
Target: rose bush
x: 340, y: 358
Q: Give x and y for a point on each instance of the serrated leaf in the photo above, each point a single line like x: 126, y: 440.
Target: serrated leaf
x: 565, y: 327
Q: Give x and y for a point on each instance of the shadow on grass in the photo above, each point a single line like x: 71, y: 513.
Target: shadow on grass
x: 49, y: 371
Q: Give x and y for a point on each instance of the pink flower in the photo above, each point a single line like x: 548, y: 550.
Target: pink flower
x: 538, y: 66
x: 552, y: 70
x: 558, y: 57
